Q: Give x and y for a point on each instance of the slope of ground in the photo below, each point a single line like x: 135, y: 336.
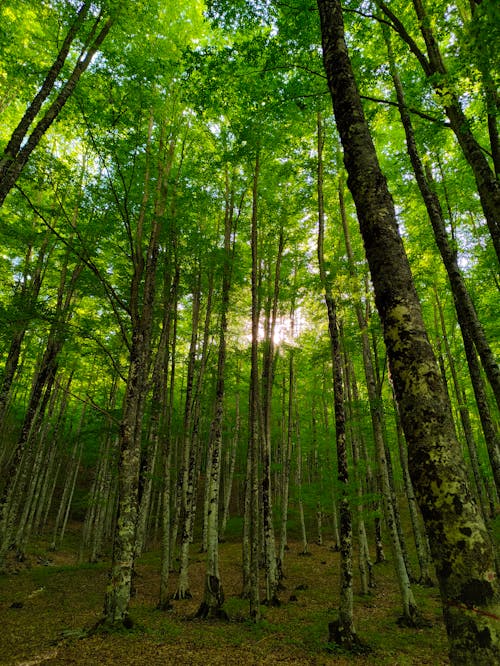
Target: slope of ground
x: 46, y: 606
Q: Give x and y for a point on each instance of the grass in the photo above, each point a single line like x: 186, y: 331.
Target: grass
x: 44, y: 610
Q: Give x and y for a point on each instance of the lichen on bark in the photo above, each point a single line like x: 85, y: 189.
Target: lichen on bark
x: 464, y: 561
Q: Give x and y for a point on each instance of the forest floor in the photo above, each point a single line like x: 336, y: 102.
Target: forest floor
x: 49, y: 602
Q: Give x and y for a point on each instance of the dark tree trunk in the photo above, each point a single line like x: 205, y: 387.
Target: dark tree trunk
x: 18, y: 151
x: 466, y: 313
x: 488, y: 186
x: 460, y: 544
x: 254, y: 414
x: 342, y: 631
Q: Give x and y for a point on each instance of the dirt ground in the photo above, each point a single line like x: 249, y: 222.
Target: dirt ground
x: 47, y: 606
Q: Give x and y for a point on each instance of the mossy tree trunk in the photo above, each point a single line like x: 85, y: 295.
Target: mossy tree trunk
x: 460, y: 544
x: 141, y: 308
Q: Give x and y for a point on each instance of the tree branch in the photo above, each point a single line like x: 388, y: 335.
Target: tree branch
x: 110, y: 292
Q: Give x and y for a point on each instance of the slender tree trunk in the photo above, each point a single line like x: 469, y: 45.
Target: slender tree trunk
x: 272, y: 576
x: 464, y: 415
x: 333, y: 491
x: 341, y: 631
x: 167, y: 530
x: 410, y: 614
x: 423, y: 554
x: 460, y: 544
x: 299, y: 482
x: 287, y: 455
x: 364, y: 559
x: 213, y: 599
x: 254, y: 415
x: 488, y: 186
x: 466, y: 313
x: 230, y: 467
x: 19, y: 149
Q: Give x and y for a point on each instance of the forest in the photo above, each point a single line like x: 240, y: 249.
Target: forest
x: 249, y: 306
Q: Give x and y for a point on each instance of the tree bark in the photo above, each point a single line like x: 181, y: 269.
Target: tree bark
x: 460, y: 544
x: 466, y: 312
x: 254, y: 413
x: 488, y: 186
x: 145, y: 263
x: 213, y: 599
x: 389, y: 500
x: 341, y: 631
x: 18, y: 153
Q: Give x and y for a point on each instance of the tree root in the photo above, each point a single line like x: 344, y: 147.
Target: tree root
x: 105, y: 626
x: 416, y: 621
x: 274, y: 602
x: 182, y: 594
x: 340, y: 639
x: 206, y: 612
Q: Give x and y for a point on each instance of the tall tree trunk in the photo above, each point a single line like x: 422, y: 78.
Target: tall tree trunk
x: 466, y: 313
x: 145, y: 263
x: 19, y: 149
x: 166, y: 458
x: 231, y: 460
x: 213, y: 599
x: 372, y: 374
x: 287, y: 454
x: 254, y: 413
x: 460, y: 544
x: 272, y: 576
x: 356, y: 436
x: 299, y: 483
x: 434, y: 68
x: 341, y: 631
